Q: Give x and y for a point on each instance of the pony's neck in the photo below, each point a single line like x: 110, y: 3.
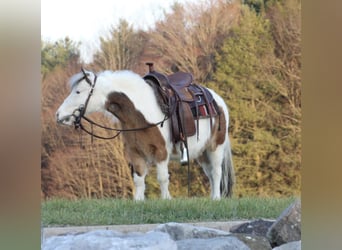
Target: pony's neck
x: 123, y: 108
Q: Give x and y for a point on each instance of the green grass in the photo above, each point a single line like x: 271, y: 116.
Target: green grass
x: 59, y: 212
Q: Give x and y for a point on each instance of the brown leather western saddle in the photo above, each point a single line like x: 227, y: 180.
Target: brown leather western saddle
x: 183, y: 101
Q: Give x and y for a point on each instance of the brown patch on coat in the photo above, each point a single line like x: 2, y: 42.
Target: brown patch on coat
x: 142, y: 146
x: 219, y: 130
x: 203, y: 158
x: 217, y: 138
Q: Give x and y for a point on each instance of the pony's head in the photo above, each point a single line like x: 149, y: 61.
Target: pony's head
x: 78, y: 102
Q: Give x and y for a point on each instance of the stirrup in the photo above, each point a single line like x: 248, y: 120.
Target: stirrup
x: 184, y: 159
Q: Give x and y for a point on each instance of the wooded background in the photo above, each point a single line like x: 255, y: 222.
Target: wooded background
x: 249, y: 52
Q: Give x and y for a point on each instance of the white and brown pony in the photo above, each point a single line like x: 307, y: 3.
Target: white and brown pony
x: 147, y: 138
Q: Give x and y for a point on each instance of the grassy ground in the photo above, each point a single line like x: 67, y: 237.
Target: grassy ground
x: 58, y: 212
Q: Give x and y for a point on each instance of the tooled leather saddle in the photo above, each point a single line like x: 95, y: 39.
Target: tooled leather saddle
x: 183, y: 101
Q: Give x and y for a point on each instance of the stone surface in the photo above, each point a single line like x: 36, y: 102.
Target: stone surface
x: 143, y: 228
x: 294, y: 245
x: 256, y: 227
x: 179, y: 231
x: 254, y: 242
x: 220, y: 243
x: 287, y: 227
x: 110, y: 240
x: 190, y: 237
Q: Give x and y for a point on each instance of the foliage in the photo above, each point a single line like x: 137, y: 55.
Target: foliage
x: 122, y: 49
x: 256, y: 5
x: 260, y: 6
x: 81, y: 212
x: 58, y: 53
x: 187, y: 38
x: 265, y: 132
x: 286, y: 30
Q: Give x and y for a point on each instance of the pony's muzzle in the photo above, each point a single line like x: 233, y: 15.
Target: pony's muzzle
x: 64, y: 120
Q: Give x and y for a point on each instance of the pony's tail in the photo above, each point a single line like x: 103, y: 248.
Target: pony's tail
x: 228, y: 174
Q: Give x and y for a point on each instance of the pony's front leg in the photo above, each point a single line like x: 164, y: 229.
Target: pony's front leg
x: 163, y: 179
x: 139, y: 183
x: 140, y: 170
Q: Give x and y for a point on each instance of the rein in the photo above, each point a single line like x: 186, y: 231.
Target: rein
x: 91, y: 122
x: 82, y: 109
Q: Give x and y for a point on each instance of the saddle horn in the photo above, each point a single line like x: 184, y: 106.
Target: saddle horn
x: 150, y: 66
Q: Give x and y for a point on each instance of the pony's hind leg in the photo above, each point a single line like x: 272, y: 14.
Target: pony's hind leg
x: 163, y: 179
x: 211, y: 162
x: 207, y: 170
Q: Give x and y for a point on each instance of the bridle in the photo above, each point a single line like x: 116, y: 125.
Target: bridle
x: 82, y: 109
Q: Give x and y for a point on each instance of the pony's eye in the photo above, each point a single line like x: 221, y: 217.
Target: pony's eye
x: 77, y: 92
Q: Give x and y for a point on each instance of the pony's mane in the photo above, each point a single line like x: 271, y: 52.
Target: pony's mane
x: 122, y: 80
x: 127, y: 76
x: 121, y: 74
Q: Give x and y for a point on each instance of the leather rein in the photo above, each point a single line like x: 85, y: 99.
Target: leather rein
x: 82, y: 109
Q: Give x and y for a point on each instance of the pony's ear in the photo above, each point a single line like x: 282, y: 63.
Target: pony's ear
x: 88, y: 76
x: 83, y: 71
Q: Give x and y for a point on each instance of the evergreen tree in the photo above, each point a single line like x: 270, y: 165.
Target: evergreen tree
x: 58, y: 53
x: 122, y: 49
x: 246, y: 77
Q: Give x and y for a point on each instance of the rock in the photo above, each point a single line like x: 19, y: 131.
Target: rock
x: 254, y: 242
x: 190, y: 237
x: 294, y: 245
x: 180, y: 231
x: 219, y: 243
x: 256, y: 227
x: 287, y: 227
x: 110, y: 240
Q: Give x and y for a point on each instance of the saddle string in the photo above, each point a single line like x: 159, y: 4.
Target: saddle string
x: 197, y: 118
x: 188, y: 165
x: 92, y: 132
x: 184, y: 138
x: 80, y: 139
x: 208, y: 106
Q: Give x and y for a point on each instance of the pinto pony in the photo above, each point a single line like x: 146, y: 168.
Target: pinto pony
x: 146, y: 131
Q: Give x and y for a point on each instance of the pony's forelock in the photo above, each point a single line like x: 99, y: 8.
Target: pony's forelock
x: 74, y: 80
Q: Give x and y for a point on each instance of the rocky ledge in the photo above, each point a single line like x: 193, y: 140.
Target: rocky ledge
x: 281, y: 234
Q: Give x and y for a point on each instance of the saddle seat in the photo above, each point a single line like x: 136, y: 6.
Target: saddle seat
x: 180, y: 82
x: 180, y: 79
x: 186, y: 101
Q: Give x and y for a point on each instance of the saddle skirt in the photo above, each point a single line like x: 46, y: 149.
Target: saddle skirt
x: 184, y: 101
